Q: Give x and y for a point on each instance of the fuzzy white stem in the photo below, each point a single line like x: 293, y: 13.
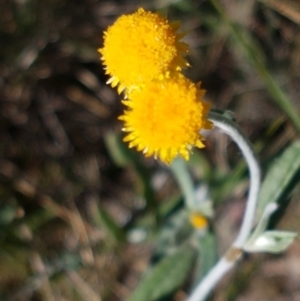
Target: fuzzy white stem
x: 227, y: 262
x: 211, y: 279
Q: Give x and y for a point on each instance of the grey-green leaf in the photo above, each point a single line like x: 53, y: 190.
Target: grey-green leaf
x: 279, y: 176
x: 167, y: 276
x: 207, y: 255
x: 272, y: 242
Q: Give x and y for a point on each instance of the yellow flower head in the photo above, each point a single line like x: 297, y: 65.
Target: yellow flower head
x: 164, y: 118
x: 140, y: 47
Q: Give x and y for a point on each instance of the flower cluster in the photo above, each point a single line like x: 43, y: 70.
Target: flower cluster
x: 143, y: 54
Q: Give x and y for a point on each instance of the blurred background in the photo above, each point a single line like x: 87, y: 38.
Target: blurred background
x: 81, y: 215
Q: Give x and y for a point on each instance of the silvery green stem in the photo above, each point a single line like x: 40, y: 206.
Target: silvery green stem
x: 228, y: 261
x: 211, y: 279
x: 231, y: 129
x: 184, y: 180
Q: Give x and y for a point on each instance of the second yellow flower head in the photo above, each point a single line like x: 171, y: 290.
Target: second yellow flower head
x: 164, y: 118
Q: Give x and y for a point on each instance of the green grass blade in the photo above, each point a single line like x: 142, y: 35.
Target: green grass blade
x: 253, y: 53
x: 101, y: 217
x: 280, y: 176
x: 167, y: 276
x: 208, y: 255
x: 125, y: 157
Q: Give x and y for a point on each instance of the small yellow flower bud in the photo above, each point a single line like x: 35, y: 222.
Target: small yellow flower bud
x: 198, y: 220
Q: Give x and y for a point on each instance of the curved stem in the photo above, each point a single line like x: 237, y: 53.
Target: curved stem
x: 231, y: 129
x: 228, y: 261
x: 212, y: 278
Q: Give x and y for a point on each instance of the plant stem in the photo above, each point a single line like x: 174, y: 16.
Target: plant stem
x: 184, y: 179
x: 228, y: 261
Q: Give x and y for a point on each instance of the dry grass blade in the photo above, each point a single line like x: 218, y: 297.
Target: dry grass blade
x: 82, y: 287
x: 38, y: 267
x: 53, y: 123
x: 288, y: 8
x: 89, y: 102
x: 79, y: 226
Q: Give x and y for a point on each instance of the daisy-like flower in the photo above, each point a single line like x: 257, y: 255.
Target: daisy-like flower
x: 164, y: 118
x: 141, y: 47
